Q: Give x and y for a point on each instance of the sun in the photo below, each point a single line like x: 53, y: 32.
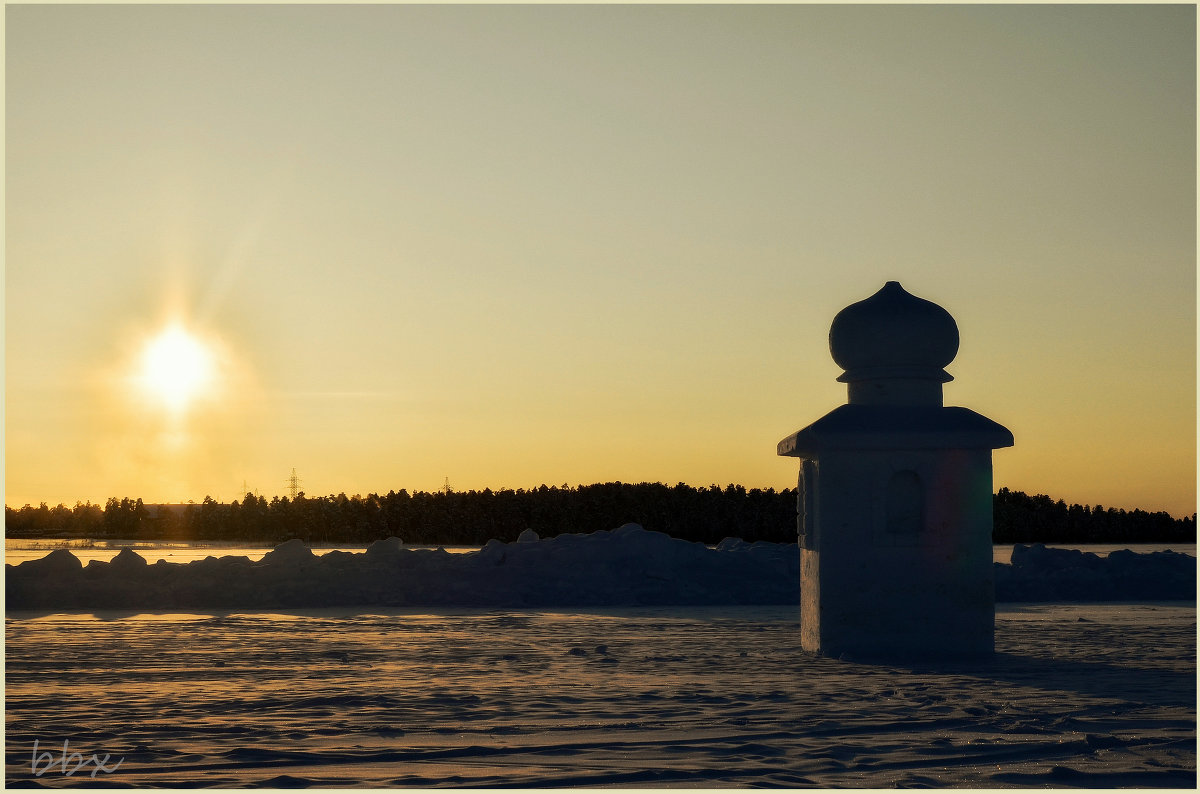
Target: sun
x: 176, y: 368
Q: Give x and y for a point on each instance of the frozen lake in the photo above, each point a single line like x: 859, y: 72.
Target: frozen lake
x: 18, y: 551
x: 1078, y: 695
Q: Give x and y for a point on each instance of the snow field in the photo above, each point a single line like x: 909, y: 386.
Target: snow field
x: 1095, y: 695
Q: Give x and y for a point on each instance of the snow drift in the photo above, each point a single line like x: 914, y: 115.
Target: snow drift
x: 629, y: 566
x: 1041, y: 574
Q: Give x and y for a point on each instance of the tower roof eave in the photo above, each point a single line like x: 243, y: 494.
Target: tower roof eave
x: 897, y: 427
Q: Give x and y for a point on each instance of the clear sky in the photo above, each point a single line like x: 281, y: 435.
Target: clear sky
x: 510, y: 246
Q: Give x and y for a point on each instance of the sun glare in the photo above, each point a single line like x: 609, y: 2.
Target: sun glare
x: 176, y: 368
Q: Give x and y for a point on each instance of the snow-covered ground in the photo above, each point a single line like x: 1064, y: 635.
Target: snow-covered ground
x: 1078, y: 695
x: 558, y: 662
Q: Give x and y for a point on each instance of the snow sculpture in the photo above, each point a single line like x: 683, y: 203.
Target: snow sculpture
x: 894, y: 509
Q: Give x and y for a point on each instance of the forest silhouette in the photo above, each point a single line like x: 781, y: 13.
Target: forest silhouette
x: 449, y: 517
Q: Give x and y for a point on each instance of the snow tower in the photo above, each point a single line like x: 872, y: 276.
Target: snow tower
x: 895, y: 495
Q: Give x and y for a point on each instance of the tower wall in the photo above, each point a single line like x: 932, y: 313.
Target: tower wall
x: 900, y: 564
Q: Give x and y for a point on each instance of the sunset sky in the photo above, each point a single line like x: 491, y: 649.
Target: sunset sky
x: 388, y: 245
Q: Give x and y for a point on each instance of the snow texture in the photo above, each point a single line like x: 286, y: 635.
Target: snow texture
x: 629, y: 566
x: 1077, y: 695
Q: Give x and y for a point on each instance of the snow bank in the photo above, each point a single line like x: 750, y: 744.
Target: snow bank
x: 629, y: 566
x: 1041, y: 574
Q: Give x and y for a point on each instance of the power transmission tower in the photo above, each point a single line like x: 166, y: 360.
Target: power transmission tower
x: 293, y: 485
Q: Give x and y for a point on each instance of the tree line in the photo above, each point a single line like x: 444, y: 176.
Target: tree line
x: 473, y: 517
x: 1020, y: 518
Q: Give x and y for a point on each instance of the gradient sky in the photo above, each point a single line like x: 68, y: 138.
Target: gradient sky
x: 569, y: 244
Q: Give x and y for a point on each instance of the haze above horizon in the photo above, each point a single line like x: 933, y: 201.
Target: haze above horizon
x: 516, y: 245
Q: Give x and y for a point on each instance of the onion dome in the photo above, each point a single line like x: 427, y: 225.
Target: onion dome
x: 893, y: 334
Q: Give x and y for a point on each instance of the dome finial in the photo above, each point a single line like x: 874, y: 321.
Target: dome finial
x: 893, y: 347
